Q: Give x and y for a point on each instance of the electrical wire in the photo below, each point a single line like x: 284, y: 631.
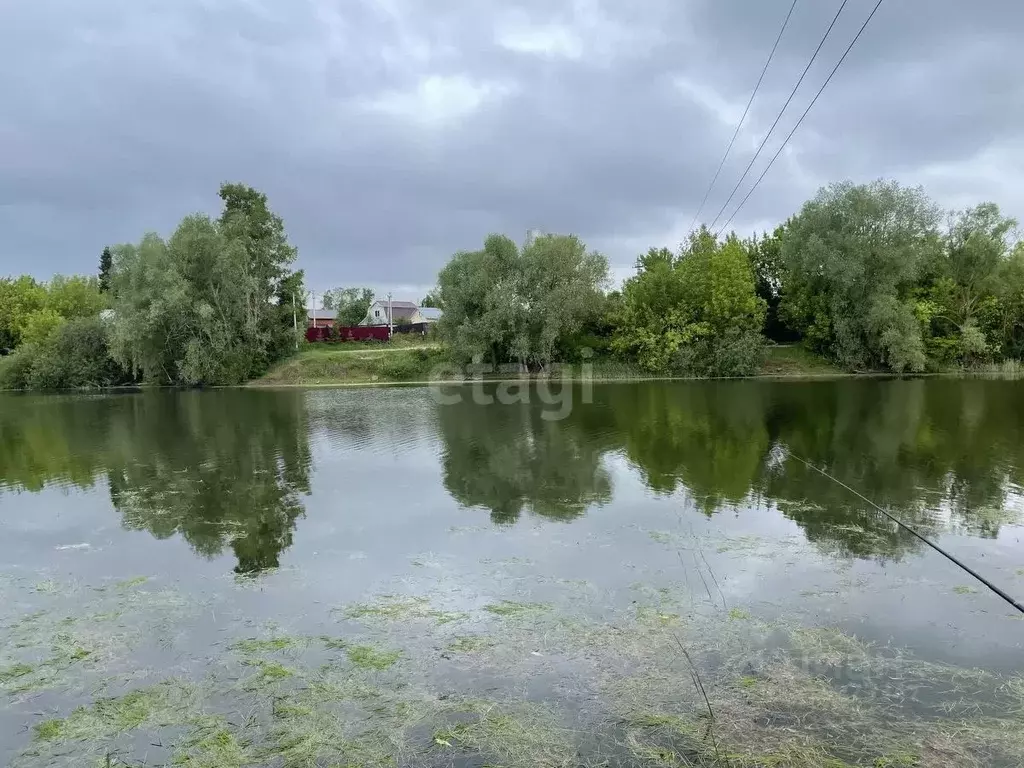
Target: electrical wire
x: 781, y: 112
x: 786, y: 140
x: 1015, y: 603
x: 743, y: 117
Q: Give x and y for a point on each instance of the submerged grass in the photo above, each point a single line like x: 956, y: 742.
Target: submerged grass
x: 521, y: 737
x: 368, y: 657
x: 393, y: 608
x: 781, y: 695
x: 470, y: 644
x: 514, y: 609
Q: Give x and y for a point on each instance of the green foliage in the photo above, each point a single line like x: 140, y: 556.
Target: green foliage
x: 351, y: 304
x: 73, y: 355
x: 510, y: 305
x: 106, y: 269
x: 19, y: 297
x: 39, y: 325
x: 853, y: 256
x: 74, y: 296
x: 697, y: 313
x: 213, y: 304
x: 432, y: 299
x: 30, y: 311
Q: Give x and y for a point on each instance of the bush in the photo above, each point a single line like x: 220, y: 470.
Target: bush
x: 736, y: 353
x: 15, y: 368
x: 75, y: 356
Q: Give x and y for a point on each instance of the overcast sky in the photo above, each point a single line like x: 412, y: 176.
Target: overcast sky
x: 391, y: 133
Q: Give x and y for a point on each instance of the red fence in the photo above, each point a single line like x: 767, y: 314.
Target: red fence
x: 349, y: 333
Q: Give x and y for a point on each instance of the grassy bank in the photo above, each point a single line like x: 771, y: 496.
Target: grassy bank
x: 412, y: 360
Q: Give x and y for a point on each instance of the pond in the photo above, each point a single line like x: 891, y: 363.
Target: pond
x: 609, y: 574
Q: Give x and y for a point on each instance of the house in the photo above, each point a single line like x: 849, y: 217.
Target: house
x: 403, y: 311
x: 321, y: 318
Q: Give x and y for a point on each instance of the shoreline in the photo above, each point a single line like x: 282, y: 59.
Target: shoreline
x: 258, y: 384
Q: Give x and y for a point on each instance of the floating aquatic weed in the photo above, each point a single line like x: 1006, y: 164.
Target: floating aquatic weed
x: 470, y: 644
x: 368, y: 657
x: 665, y: 537
x: 254, y: 646
x: 645, y: 613
x: 269, y: 672
x: 14, y: 671
x: 133, y: 582
x: 213, y: 745
x: 963, y: 589
x: 170, y: 703
x: 511, y: 608
x: 524, y: 736
x: 391, y: 608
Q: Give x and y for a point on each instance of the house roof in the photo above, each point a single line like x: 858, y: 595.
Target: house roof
x: 397, y: 304
x: 402, y: 312
x: 322, y: 314
x: 431, y: 313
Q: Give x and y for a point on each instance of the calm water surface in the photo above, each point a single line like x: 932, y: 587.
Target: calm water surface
x: 249, y: 546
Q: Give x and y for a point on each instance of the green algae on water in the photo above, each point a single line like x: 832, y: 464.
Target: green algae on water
x: 511, y: 608
x: 368, y: 657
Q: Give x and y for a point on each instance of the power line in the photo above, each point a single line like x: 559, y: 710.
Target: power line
x: 739, y: 125
x: 786, y: 140
x: 781, y: 112
x: 1015, y: 603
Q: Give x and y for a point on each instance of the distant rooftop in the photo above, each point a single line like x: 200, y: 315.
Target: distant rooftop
x: 431, y: 313
x: 322, y: 314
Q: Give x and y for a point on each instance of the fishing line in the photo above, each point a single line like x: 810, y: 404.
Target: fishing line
x: 911, y: 531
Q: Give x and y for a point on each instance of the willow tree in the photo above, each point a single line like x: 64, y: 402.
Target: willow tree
x: 853, y: 256
x: 211, y: 305
x: 504, y: 304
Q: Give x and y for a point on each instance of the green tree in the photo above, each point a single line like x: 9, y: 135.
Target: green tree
x: 247, y: 217
x: 19, y: 298
x: 508, y: 305
x: 853, y: 258
x: 40, y: 325
x: 1010, y: 295
x: 432, y: 299
x: 212, y: 305
x: 75, y: 296
x: 697, y: 313
x: 351, y: 304
x: 106, y: 267
x: 765, y: 253
x: 959, y: 303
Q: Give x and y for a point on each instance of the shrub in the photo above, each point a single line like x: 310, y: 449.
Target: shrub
x: 75, y: 356
x: 16, y: 367
x: 735, y: 353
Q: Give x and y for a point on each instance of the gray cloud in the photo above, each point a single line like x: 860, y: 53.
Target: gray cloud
x: 390, y: 134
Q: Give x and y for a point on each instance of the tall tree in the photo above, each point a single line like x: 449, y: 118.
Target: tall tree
x: 853, y: 258
x: 213, y: 304
x: 106, y: 265
x: 515, y: 306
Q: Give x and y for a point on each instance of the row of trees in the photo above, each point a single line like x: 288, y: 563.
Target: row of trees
x: 213, y: 304
x: 865, y: 275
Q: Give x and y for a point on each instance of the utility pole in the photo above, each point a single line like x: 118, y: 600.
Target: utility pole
x: 391, y: 318
x: 295, y: 321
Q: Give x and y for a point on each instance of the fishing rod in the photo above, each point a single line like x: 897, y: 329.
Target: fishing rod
x: 1015, y: 603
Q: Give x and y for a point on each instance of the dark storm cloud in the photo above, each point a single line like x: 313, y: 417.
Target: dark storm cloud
x: 389, y: 134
